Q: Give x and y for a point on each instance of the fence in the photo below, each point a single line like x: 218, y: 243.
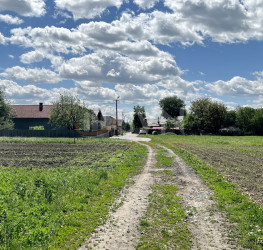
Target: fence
x: 48, y: 133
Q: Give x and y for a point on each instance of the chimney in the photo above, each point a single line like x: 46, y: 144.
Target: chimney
x: 40, y: 106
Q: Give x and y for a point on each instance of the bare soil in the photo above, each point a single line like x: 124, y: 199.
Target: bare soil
x: 208, y: 226
x: 242, y: 165
x: 121, y: 229
x: 49, y: 155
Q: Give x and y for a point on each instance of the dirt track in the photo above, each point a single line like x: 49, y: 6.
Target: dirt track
x: 121, y: 229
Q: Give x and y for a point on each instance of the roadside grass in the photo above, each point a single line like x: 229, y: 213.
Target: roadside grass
x: 241, y: 210
x: 87, y: 140
x: 57, y: 208
x: 164, y: 225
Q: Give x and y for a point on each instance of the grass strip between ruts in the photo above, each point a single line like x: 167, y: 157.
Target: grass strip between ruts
x: 240, y: 209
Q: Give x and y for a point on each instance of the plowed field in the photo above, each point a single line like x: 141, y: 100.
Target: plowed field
x: 242, y: 165
x: 48, y: 155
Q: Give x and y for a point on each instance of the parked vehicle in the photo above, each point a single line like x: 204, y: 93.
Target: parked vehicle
x: 142, y: 132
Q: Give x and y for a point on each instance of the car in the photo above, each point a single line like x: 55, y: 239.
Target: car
x: 154, y: 133
x: 142, y: 132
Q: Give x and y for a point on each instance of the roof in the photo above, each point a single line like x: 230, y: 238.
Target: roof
x: 31, y: 111
x: 156, y: 122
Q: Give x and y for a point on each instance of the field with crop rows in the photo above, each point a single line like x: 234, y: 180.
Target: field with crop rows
x: 53, y: 195
x: 233, y: 168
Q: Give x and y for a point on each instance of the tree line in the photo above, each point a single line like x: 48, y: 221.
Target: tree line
x: 208, y: 116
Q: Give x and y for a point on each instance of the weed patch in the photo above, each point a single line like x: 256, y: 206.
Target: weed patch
x: 60, y: 205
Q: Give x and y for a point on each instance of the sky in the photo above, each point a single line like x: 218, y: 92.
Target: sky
x: 138, y: 50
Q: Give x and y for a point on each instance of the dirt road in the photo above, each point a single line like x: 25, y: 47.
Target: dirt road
x: 206, y: 224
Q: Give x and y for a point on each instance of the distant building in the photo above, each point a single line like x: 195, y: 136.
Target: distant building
x: 27, y: 116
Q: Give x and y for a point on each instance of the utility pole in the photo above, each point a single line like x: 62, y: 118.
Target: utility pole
x: 117, y: 114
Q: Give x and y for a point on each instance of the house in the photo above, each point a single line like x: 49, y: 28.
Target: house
x: 26, y: 116
x: 156, y: 123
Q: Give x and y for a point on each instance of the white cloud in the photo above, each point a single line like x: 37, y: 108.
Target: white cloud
x: 26, y: 94
x: 112, y: 67
x: 87, y: 8
x: 91, y: 92
x: 33, y: 76
x: 31, y: 57
x: 2, y: 39
x: 237, y: 86
x: 31, y: 8
x: 159, y: 27
x: 10, y: 19
x: 60, y: 40
x: 146, y: 4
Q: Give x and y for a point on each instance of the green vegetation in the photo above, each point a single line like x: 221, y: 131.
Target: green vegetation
x: 37, y: 128
x: 69, y: 112
x: 6, y: 113
x: 172, y: 107
x: 163, y: 226
x: 57, y: 206
x: 162, y: 159
x: 138, y: 117
x: 241, y: 210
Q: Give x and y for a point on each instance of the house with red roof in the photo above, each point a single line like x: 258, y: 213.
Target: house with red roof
x: 26, y: 116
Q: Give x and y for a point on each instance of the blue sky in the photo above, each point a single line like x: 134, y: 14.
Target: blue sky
x: 140, y: 50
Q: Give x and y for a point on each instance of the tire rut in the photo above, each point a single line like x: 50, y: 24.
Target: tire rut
x: 207, y: 225
x: 121, y: 229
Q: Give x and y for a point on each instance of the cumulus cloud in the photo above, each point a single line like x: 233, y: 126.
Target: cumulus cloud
x: 10, y: 19
x: 159, y: 27
x: 112, y: 67
x: 92, y: 91
x: 31, y: 57
x: 87, y: 8
x: 2, y: 39
x: 146, y: 4
x: 33, y: 76
x: 52, y: 38
x: 237, y: 86
x: 31, y: 8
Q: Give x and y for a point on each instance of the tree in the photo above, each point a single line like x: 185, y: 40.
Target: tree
x: 191, y: 122
x: 6, y: 113
x: 172, y: 107
x: 139, y: 117
x: 68, y: 112
x: 126, y: 126
x: 245, y: 119
x: 258, y: 121
x: 230, y: 119
x: 170, y: 124
x: 211, y: 115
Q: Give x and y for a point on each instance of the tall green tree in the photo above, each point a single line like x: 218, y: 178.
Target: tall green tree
x: 258, y: 121
x: 230, y: 119
x: 139, y: 117
x: 245, y: 119
x: 207, y: 115
x: 68, y: 112
x: 172, y: 107
x: 6, y: 113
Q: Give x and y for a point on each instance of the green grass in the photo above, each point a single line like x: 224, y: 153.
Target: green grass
x: 196, y: 139
x: 162, y: 159
x: 88, y: 140
x: 163, y: 226
x: 247, y: 215
x: 57, y: 208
